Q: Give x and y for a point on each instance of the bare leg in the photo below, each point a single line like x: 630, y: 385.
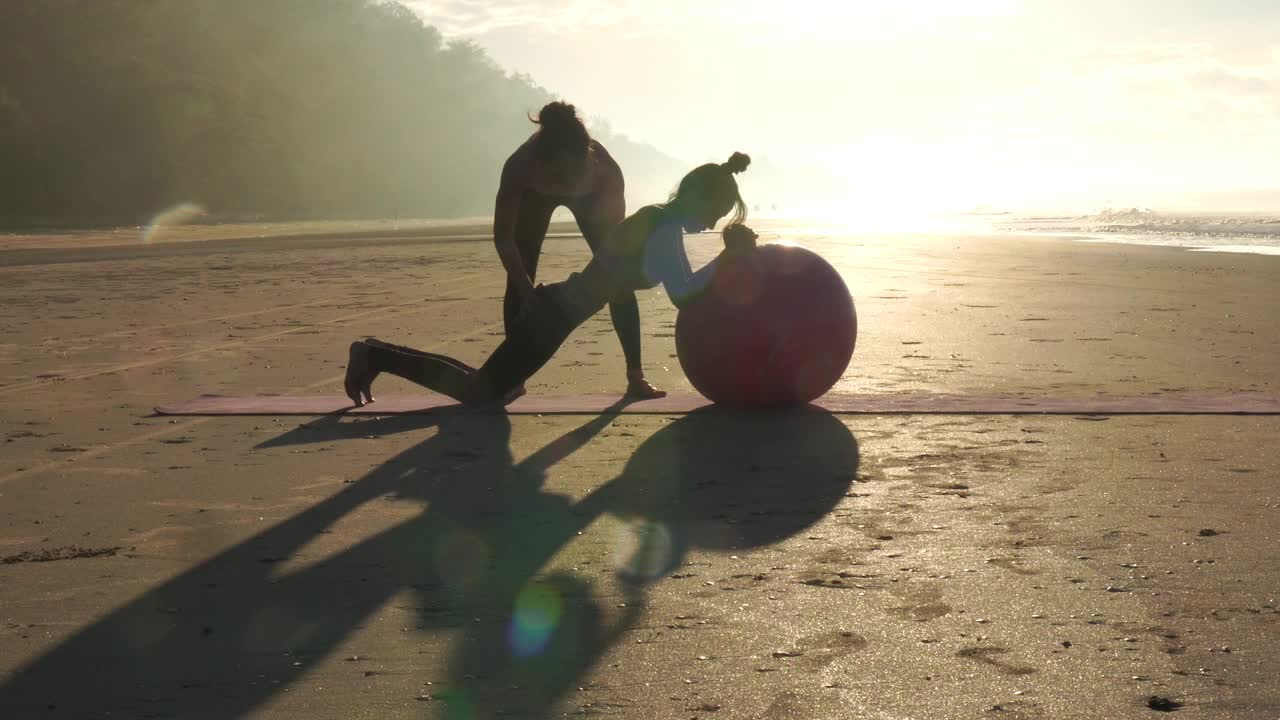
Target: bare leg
x: 595, y: 220
x: 625, y: 314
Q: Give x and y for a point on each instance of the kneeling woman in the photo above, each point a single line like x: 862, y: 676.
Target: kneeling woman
x: 643, y: 251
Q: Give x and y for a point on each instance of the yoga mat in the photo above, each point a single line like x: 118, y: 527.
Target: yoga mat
x: 1171, y: 403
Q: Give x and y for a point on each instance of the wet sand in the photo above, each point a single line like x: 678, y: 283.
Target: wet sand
x: 656, y: 567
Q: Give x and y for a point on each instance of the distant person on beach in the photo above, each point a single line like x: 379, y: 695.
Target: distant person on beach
x: 643, y: 251
x: 561, y: 165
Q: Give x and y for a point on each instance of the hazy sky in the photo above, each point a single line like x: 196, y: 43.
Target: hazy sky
x: 936, y: 103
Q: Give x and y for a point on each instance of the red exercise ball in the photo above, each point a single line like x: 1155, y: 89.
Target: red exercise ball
x: 775, y: 327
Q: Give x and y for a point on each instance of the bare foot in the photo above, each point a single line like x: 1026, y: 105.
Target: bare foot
x: 640, y: 389
x: 359, y: 380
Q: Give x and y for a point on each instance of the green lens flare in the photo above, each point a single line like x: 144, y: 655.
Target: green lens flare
x: 537, y: 613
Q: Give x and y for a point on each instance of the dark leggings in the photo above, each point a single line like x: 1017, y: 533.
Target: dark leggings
x: 530, y: 231
x: 529, y: 344
x: 441, y: 373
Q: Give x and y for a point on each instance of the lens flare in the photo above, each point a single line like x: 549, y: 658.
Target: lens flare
x: 458, y: 705
x: 537, y: 613
x: 645, y: 550
x: 172, y: 217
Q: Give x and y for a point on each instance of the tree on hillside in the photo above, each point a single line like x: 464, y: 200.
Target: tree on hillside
x: 112, y: 110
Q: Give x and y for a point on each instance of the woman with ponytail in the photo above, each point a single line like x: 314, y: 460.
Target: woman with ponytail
x: 561, y: 165
x: 645, y: 250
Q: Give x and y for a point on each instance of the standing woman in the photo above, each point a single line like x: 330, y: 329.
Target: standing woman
x: 561, y: 165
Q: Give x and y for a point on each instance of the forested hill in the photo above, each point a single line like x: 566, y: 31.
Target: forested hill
x: 111, y: 110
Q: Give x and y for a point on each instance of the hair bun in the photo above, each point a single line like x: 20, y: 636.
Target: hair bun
x: 557, y: 114
x: 737, y: 162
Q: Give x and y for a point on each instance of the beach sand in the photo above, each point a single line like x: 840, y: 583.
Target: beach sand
x: 634, y: 566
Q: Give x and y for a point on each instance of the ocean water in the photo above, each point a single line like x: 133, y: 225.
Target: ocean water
x: 1257, y: 233
x: 1246, y: 233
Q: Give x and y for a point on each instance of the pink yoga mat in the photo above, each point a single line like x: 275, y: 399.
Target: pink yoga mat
x: 1173, y: 403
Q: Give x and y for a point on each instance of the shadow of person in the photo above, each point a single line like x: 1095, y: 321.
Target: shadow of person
x: 711, y: 480
x: 227, y: 635
x: 338, y: 426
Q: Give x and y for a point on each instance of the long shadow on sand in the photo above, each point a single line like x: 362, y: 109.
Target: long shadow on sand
x: 230, y: 633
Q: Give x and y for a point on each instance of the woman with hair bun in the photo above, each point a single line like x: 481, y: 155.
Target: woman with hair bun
x: 561, y: 165
x: 643, y: 251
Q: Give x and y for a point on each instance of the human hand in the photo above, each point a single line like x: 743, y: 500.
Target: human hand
x: 528, y: 298
x: 739, y: 237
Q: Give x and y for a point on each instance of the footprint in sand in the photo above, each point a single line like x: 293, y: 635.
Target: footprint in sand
x: 923, y: 603
x: 818, y: 651
x: 1011, y: 564
x: 990, y: 656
